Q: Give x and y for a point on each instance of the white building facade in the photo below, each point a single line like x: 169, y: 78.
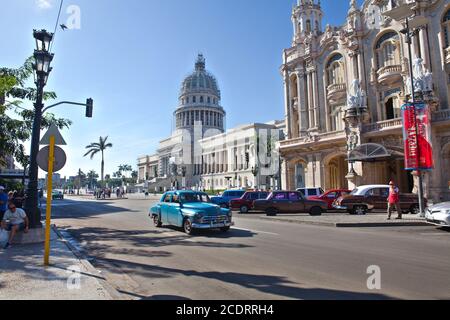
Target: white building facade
x: 344, y: 88
x: 200, y: 154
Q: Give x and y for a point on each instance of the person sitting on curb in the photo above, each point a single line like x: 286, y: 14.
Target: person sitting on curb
x: 394, y: 201
x: 14, y: 220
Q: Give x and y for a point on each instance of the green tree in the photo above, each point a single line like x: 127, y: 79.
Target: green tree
x: 80, y: 180
x: 92, y: 177
x: 97, y: 147
x: 15, y: 131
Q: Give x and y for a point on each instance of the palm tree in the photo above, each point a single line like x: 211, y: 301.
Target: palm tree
x: 97, y: 147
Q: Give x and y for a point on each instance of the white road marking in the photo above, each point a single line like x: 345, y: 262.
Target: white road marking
x: 256, y: 231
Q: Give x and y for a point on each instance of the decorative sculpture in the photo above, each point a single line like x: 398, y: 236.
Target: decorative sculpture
x: 423, y: 79
x: 356, y: 96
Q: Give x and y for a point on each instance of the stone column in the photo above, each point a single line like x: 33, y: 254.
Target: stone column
x: 315, y: 99
x: 423, y: 35
x: 310, y: 101
x: 287, y: 104
x: 302, y: 110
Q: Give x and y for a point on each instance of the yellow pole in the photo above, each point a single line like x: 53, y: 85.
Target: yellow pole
x: 51, y: 159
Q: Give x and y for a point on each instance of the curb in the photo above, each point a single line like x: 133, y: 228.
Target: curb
x: 351, y: 224
x: 115, y: 295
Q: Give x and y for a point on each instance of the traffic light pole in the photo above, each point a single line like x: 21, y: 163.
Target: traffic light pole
x: 88, y: 105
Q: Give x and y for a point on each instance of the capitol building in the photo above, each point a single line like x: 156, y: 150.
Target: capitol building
x: 344, y: 88
x: 202, y: 154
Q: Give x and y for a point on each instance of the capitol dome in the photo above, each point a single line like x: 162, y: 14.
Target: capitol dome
x: 199, y: 100
x: 200, y: 81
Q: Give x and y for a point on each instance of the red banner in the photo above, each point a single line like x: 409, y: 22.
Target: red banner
x: 417, y: 144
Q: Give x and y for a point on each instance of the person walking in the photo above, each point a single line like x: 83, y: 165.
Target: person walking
x: 394, y: 201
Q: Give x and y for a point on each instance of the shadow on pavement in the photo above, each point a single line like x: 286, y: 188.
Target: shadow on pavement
x: 274, y: 285
x: 63, y: 209
x: 100, y: 241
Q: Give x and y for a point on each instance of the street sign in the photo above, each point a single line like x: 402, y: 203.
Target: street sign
x: 59, y: 159
x: 53, y: 131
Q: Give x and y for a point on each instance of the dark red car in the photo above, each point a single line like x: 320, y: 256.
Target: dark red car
x: 245, y: 203
x: 330, y: 196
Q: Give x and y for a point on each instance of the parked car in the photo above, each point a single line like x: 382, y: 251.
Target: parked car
x: 190, y: 210
x: 57, y: 195
x: 439, y: 214
x: 311, y: 192
x: 290, y: 202
x: 374, y: 197
x: 330, y: 196
x: 226, y: 197
x: 245, y: 203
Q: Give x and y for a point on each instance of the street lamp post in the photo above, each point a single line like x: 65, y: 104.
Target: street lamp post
x: 42, y: 69
x: 212, y: 171
x: 409, y: 34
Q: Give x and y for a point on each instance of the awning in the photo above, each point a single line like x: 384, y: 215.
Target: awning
x: 372, y: 152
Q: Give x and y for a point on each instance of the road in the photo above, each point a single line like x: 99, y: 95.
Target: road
x: 257, y: 259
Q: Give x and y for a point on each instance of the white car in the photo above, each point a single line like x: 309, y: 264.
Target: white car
x: 439, y: 214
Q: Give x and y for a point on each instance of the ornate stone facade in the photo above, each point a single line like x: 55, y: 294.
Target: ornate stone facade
x: 344, y: 87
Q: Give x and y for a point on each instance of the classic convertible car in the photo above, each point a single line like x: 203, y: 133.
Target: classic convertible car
x: 190, y: 210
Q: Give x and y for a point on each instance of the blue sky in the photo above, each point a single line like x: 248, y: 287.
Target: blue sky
x: 131, y: 56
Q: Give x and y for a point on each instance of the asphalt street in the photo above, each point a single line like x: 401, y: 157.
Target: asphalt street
x: 257, y: 259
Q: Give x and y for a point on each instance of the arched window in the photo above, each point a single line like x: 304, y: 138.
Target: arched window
x: 446, y: 28
x: 308, y: 26
x: 335, y: 70
x: 209, y: 100
x: 388, y: 50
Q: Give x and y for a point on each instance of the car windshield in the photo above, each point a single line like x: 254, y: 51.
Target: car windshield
x: 355, y: 191
x: 194, y: 197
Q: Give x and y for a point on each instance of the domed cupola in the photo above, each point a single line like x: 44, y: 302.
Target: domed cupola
x: 199, y: 100
x: 200, y: 81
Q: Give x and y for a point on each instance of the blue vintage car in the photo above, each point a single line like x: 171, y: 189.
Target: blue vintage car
x: 190, y: 210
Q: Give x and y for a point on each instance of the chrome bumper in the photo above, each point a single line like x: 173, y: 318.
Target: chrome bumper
x: 438, y: 223
x: 340, y: 207
x: 212, y: 225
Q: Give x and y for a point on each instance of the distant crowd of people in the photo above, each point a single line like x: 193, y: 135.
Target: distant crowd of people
x: 105, y: 193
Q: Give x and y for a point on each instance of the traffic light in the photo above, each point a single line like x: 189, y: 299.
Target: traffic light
x: 89, y: 107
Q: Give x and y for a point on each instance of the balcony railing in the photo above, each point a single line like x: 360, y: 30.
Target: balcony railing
x: 320, y: 137
x: 336, y: 91
x: 389, y: 74
x: 441, y: 115
x: 382, y: 125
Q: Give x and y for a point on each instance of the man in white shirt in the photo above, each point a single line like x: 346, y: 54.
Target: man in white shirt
x: 14, y: 220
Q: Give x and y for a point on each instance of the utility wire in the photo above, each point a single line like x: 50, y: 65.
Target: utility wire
x: 56, y: 25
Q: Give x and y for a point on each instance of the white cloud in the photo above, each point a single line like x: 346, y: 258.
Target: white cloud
x: 44, y: 4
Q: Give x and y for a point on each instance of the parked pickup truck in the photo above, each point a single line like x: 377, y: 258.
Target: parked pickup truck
x: 374, y: 197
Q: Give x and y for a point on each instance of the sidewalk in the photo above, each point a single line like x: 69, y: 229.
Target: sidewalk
x: 350, y: 221
x: 24, y: 277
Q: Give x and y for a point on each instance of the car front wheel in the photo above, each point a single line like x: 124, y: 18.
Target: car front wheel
x: 244, y: 209
x: 315, y: 211
x: 187, y: 227
x: 415, y: 209
x: 360, y: 210
x: 157, y: 222
x: 271, y: 212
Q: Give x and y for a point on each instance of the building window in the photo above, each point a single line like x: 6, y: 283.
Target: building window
x: 308, y: 26
x: 335, y: 70
x: 446, y: 28
x: 194, y: 99
x: 209, y: 100
x: 337, y: 116
x: 388, y: 50
x: 392, y: 108
x: 202, y: 99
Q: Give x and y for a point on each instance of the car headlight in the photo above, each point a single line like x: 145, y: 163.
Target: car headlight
x: 199, y: 216
x: 447, y: 212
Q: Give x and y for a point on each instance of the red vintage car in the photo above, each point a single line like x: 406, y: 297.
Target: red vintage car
x: 330, y: 196
x: 245, y: 203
